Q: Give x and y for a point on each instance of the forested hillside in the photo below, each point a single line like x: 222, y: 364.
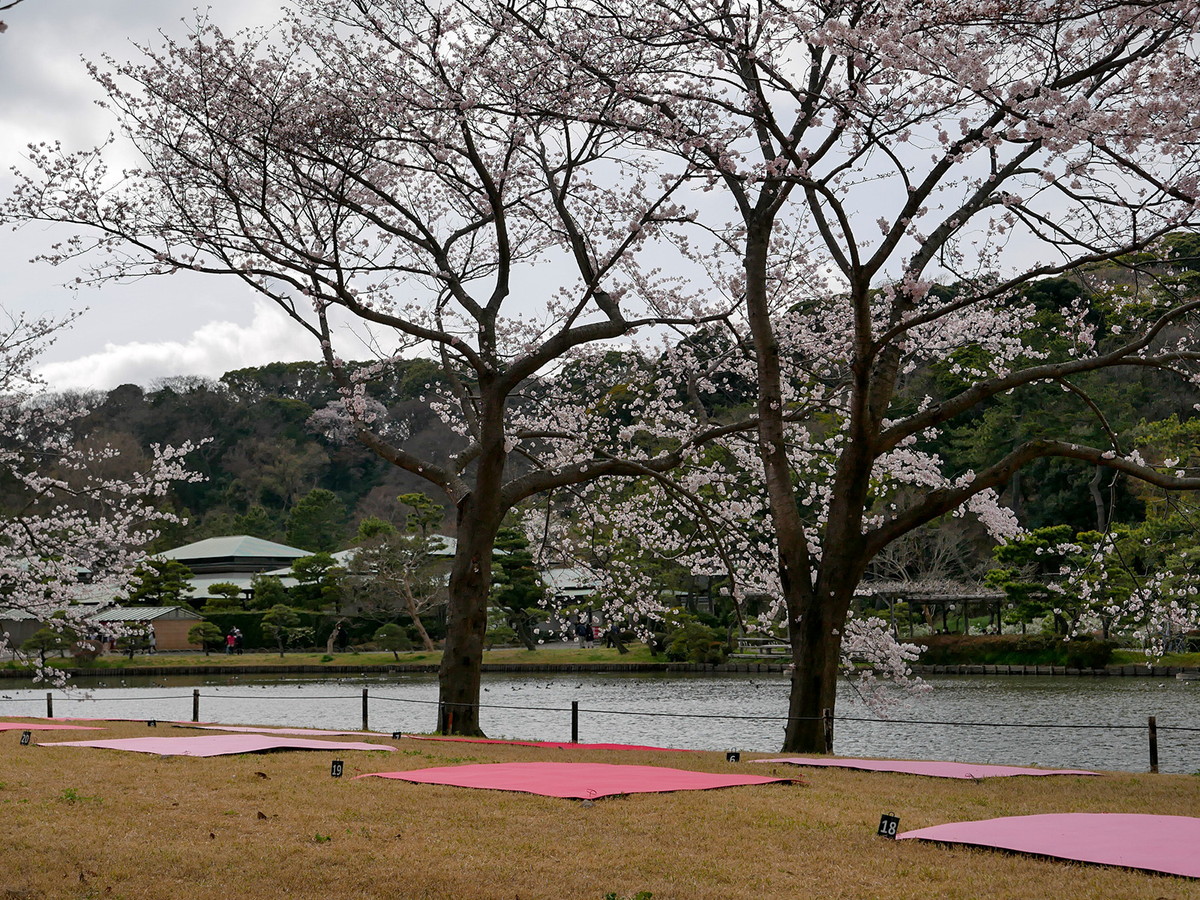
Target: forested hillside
x: 271, y: 471
x: 267, y: 471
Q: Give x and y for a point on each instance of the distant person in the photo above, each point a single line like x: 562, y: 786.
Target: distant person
x: 238, y: 640
x: 585, y: 635
x: 230, y: 643
x: 153, y: 641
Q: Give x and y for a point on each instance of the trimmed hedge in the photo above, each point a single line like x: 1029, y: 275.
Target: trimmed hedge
x: 1083, y: 652
x: 359, y: 631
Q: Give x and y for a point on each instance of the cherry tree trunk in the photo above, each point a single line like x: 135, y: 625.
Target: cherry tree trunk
x: 814, y: 625
x: 466, y: 628
x: 816, y: 656
x: 479, y: 515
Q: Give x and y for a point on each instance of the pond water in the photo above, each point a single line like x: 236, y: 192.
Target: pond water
x: 1011, y: 720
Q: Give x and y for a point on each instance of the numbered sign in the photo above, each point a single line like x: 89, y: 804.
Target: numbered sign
x: 25, y: 736
x: 733, y: 756
x: 336, y: 769
x: 152, y: 723
x: 396, y: 735
x: 888, y: 825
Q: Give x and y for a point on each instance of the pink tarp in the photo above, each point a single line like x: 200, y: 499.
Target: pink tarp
x: 248, y: 729
x: 1164, y: 844
x: 583, y: 781
x: 552, y: 744
x: 932, y: 768
x: 109, y: 719
x: 24, y: 726
x: 217, y: 744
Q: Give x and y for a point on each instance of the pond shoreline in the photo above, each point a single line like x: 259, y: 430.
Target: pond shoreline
x: 764, y: 668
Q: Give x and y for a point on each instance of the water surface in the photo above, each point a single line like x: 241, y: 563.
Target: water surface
x: 1004, y: 720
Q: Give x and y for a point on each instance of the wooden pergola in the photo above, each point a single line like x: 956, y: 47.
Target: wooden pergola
x: 938, y: 599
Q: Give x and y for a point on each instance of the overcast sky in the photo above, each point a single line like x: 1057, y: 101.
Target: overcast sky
x: 130, y: 333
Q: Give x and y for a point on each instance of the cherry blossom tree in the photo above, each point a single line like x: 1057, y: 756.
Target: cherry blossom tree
x: 9, y: 5
x: 69, y: 530
x: 373, y: 169
x: 885, y: 180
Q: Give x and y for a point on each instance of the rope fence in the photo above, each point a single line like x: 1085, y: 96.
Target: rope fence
x: 446, y: 713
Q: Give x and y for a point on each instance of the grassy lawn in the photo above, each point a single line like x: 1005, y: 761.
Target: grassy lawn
x: 551, y: 654
x: 87, y: 823
x: 1138, y: 658
x: 547, y: 655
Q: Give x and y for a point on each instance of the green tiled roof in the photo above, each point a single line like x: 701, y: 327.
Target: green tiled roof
x: 240, y: 546
x: 140, y: 613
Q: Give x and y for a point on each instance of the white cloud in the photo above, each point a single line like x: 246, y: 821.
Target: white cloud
x: 212, y: 350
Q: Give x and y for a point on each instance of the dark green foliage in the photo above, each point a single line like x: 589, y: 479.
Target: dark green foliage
x: 206, y: 634
x: 1030, y: 567
x: 317, y: 522
x: 259, y: 523
x: 392, y: 637
x: 266, y: 591
x: 283, y: 625
x: 396, y: 571
x: 696, y: 642
x: 262, y: 456
x: 135, y: 640
x: 47, y: 640
x: 373, y: 527
x: 161, y: 582
x: 517, y: 586
x: 223, y: 595
x: 1083, y: 652
x: 319, y: 578
x: 254, y: 637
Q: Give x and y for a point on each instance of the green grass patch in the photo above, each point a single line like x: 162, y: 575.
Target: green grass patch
x: 1139, y: 658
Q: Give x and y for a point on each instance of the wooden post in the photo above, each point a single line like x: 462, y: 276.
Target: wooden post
x: 1153, y: 728
x: 827, y: 717
x: 365, y: 727
x: 574, y: 721
x: 49, y: 705
x: 196, y: 704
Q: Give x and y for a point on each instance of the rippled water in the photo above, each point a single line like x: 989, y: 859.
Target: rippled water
x: 715, y: 712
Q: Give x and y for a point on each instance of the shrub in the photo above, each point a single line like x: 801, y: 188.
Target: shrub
x: 1083, y: 652
x: 697, y: 643
x: 392, y: 637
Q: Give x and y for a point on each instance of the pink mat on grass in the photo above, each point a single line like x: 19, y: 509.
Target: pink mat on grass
x: 1164, y: 844
x: 932, y: 768
x: 248, y: 729
x: 19, y: 726
x: 217, y: 744
x: 107, y: 719
x: 552, y: 744
x: 582, y: 781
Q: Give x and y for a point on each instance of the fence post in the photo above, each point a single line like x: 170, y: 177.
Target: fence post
x: 1153, y: 728
x: 365, y: 727
x: 49, y: 705
x: 827, y: 720
x: 195, y: 704
x: 574, y: 721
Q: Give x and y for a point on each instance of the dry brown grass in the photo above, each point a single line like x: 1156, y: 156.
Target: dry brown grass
x: 81, y: 823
